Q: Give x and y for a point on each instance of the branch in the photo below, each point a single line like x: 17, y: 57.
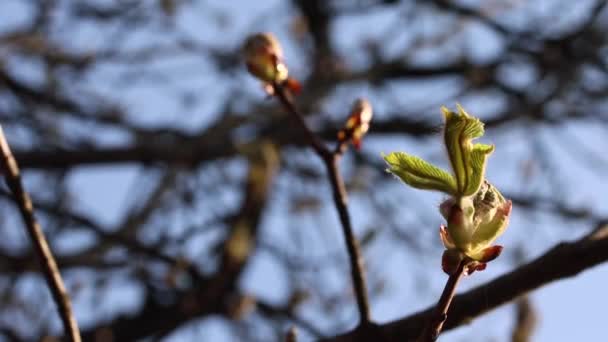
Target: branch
x: 435, y: 323
x: 562, y: 261
x: 471, y: 13
x: 331, y: 160
x: 63, y: 158
x: 194, y: 150
x: 47, y: 261
x: 271, y: 311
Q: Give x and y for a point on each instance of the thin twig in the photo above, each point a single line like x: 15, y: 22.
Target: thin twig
x: 352, y: 244
x: 440, y: 314
x: 287, y: 101
x: 10, y: 169
x: 292, y: 335
x: 331, y: 160
x: 525, y: 321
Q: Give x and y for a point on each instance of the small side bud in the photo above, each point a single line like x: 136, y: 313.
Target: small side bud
x: 263, y: 55
x: 357, y: 123
x: 264, y: 58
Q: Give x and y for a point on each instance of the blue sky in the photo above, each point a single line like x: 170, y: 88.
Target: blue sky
x: 569, y: 309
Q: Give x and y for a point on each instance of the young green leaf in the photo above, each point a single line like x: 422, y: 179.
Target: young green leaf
x: 460, y: 130
x: 420, y: 174
x: 479, y: 154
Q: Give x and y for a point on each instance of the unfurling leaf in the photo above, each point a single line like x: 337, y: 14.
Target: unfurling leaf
x: 476, y: 213
x: 479, y: 154
x: 468, y: 160
x: 420, y: 174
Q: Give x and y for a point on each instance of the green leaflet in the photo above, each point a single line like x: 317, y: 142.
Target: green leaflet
x: 467, y: 160
x: 477, y: 169
x: 420, y: 174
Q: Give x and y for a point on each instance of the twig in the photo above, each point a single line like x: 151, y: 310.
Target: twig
x: 292, y: 335
x: 275, y: 311
x: 287, y: 101
x: 10, y: 169
x: 525, y: 321
x: 439, y: 316
x: 331, y: 160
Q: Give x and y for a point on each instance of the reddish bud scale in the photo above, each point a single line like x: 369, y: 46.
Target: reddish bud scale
x: 357, y: 123
x: 491, y: 253
x: 456, y: 216
x: 293, y: 85
x: 450, y: 260
x: 475, y: 266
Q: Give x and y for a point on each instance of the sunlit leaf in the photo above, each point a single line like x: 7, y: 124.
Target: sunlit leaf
x: 460, y: 130
x: 479, y: 154
x: 420, y: 174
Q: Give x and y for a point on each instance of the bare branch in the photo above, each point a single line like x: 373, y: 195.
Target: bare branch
x: 435, y: 323
x: 47, y: 261
x: 331, y: 161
